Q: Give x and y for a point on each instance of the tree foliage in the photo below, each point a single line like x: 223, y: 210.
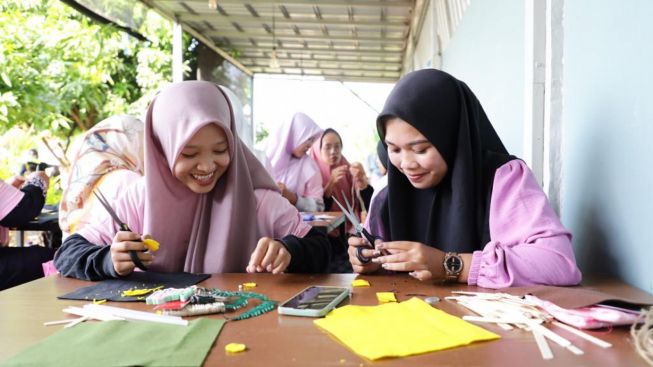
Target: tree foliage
x: 60, y: 71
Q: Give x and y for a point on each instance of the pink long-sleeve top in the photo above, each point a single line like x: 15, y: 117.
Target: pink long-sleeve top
x: 529, y: 245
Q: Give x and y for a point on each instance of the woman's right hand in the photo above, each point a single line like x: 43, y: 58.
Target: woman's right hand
x: 358, y: 267
x: 123, y: 242
x: 16, y: 181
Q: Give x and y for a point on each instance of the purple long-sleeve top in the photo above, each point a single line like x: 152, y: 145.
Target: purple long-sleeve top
x: 529, y: 245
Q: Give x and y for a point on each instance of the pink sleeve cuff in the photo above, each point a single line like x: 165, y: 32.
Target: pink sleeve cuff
x: 474, y: 268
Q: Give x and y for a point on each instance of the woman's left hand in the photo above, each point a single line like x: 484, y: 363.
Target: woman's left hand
x: 269, y: 256
x: 421, y: 261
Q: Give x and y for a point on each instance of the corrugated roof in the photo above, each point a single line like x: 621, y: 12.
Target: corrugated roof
x: 338, y: 39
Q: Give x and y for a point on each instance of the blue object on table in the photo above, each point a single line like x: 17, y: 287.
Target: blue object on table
x: 308, y: 217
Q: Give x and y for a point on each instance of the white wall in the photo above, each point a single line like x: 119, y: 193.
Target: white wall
x: 487, y: 52
x: 607, y: 178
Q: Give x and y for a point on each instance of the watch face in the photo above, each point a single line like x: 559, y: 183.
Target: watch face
x: 454, y: 264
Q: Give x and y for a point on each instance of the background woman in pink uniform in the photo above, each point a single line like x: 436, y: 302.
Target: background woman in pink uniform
x: 295, y: 173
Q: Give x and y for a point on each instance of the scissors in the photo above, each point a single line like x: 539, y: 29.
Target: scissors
x: 349, y: 213
x: 123, y: 227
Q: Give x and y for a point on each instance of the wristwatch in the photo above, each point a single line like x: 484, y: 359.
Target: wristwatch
x: 453, y: 266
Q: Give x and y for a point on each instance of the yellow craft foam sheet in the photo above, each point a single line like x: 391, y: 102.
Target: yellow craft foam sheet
x: 399, y: 329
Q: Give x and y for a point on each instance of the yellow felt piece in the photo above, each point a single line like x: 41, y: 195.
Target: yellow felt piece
x: 249, y: 285
x: 151, y: 244
x: 360, y: 283
x: 139, y: 292
x: 399, y: 329
x: 385, y: 297
x: 235, y: 348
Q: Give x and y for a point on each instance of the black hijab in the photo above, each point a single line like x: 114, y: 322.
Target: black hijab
x: 453, y: 216
x: 382, y: 152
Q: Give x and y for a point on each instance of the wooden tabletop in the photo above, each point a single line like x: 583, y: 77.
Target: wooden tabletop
x: 275, y: 340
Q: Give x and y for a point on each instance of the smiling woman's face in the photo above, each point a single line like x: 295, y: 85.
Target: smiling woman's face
x: 204, y: 159
x: 413, y: 154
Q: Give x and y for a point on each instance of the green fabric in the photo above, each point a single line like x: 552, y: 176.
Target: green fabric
x: 123, y: 343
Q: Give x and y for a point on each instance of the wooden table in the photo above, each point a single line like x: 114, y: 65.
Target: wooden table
x: 274, y: 340
x: 329, y: 224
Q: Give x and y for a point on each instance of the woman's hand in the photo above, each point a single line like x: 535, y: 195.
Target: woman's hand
x: 123, y: 242
x: 289, y: 195
x: 337, y: 174
x: 359, y: 177
x: 16, y: 181
x: 358, y: 267
x: 269, y: 256
x: 421, y: 261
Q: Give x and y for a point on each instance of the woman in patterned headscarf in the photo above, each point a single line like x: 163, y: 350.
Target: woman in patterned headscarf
x: 108, y: 157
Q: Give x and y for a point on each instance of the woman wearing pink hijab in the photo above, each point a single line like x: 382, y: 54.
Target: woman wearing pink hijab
x: 296, y: 174
x: 204, y: 197
x: 340, y: 180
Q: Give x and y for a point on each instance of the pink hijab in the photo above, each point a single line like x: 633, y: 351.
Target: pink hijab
x: 208, y: 233
x: 345, y: 185
x: 293, y: 172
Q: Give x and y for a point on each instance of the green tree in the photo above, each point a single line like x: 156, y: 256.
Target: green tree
x: 60, y: 71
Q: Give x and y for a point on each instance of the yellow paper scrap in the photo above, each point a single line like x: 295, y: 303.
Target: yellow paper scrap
x: 385, y: 297
x: 151, y: 244
x: 99, y: 301
x: 360, y: 283
x: 399, y: 329
x: 249, y: 285
x: 235, y: 348
x: 139, y: 292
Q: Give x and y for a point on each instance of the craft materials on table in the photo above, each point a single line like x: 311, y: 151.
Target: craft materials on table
x: 123, y: 343
x: 509, y: 311
x: 194, y: 300
x: 135, y: 283
x: 385, y: 297
x: 399, y: 329
x: 93, y: 311
x: 360, y: 283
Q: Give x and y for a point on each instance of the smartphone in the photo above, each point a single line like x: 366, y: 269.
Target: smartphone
x: 314, y: 301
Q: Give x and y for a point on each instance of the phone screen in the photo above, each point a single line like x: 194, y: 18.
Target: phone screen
x: 314, y: 298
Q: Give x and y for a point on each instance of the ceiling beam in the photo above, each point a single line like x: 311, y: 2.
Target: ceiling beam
x: 330, y: 60
x: 247, y: 21
x: 348, y: 69
x: 407, y: 4
x: 301, y: 37
x: 248, y: 48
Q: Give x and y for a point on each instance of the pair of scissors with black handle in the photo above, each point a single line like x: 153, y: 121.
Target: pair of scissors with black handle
x: 123, y: 227
x: 349, y: 213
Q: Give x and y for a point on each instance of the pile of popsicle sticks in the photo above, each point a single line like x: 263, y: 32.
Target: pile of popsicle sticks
x: 510, y: 312
x: 107, y: 313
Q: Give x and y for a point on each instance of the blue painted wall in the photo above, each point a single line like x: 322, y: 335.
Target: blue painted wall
x: 487, y: 52
x: 607, y: 151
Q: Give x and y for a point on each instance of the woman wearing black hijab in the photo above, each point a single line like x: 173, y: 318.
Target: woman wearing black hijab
x: 458, y: 207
